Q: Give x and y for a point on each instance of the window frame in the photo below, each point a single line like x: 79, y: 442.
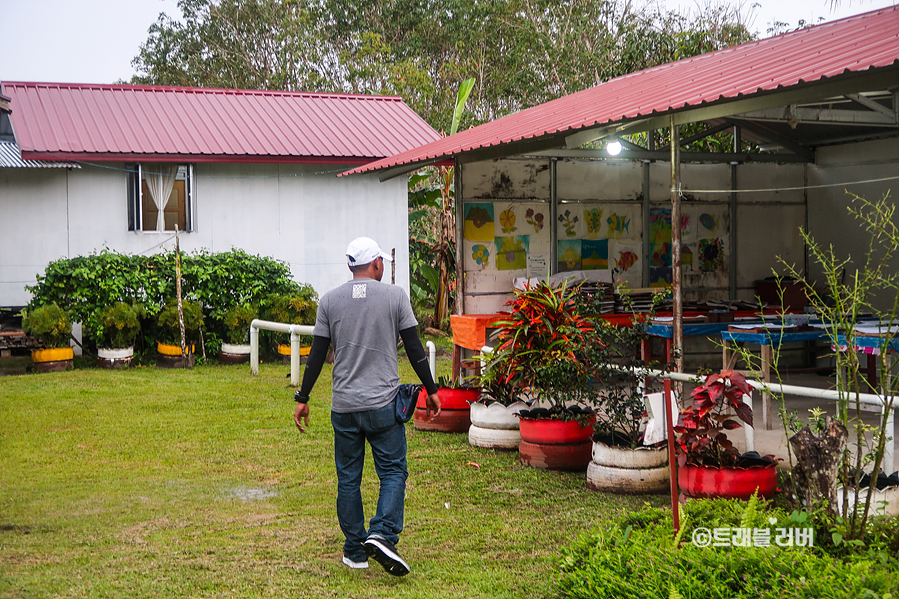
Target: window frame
x: 135, y: 199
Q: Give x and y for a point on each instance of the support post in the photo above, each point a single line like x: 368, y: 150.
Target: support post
x: 672, y: 458
x: 294, y: 359
x: 254, y: 350
x: 676, y: 270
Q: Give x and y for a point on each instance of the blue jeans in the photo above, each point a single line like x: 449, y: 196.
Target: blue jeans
x: 387, y: 438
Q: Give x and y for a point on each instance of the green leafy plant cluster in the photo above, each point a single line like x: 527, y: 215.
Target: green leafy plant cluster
x: 170, y: 326
x: 119, y: 325
x: 85, y: 285
x: 638, y: 555
x: 237, y: 322
x: 48, y: 324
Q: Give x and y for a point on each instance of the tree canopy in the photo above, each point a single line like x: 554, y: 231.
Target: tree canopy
x: 519, y: 52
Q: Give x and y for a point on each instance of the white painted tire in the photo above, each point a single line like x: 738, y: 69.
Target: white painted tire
x: 492, y: 438
x: 116, y: 353
x: 630, y: 481
x: 625, y: 457
x: 496, y: 416
x: 890, y: 496
x: 236, y: 349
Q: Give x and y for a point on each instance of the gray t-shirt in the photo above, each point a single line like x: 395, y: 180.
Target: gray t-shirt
x: 363, y: 318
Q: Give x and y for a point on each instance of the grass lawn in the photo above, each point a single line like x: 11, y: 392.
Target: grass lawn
x: 171, y: 483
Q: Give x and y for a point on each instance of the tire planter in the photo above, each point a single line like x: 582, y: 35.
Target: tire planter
x: 169, y: 356
x: 115, y: 358
x: 556, y: 456
x: 639, y: 471
x: 455, y: 411
x: 495, y: 426
x: 733, y: 483
x: 234, y: 353
x: 555, y: 444
x: 884, y: 502
x: 53, y: 360
x: 449, y: 421
x: 284, y: 352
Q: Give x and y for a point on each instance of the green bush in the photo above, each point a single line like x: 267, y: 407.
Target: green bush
x: 118, y: 325
x: 237, y: 322
x: 636, y: 557
x: 49, y: 324
x: 170, y: 327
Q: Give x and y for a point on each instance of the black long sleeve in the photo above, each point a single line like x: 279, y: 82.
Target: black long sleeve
x: 318, y: 353
x: 417, y: 358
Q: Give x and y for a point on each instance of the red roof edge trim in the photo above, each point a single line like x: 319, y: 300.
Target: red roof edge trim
x: 194, y: 159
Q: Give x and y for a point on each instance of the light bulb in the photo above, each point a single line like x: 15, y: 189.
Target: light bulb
x: 614, y: 148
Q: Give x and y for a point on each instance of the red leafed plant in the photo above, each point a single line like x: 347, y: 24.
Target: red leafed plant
x: 701, y: 440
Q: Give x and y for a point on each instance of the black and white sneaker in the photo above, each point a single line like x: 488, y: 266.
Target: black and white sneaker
x: 383, y: 552
x: 354, y: 565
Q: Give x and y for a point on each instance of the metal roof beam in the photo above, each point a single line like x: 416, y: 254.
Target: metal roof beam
x: 698, y: 136
x: 821, y: 116
x: 786, y: 142
x: 662, y: 156
x: 870, y: 104
x: 402, y: 169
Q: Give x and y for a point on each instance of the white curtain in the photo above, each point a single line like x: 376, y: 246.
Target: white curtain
x: 160, y: 180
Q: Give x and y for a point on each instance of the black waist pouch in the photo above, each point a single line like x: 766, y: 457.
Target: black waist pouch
x: 405, y: 401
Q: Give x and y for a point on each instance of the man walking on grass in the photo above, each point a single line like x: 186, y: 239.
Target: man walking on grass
x: 363, y: 319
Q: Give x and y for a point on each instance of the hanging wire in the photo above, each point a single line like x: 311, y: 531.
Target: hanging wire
x: 773, y: 189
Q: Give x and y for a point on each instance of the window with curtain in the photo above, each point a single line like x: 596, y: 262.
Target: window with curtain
x: 160, y: 197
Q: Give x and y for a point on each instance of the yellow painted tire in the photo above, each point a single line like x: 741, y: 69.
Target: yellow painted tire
x: 172, y: 350
x: 56, y: 354
x: 284, y: 350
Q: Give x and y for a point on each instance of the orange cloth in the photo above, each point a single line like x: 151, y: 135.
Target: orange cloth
x: 470, y: 330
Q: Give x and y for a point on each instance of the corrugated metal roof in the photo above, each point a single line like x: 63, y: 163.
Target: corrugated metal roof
x: 851, y: 45
x: 10, y: 157
x: 125, y: 122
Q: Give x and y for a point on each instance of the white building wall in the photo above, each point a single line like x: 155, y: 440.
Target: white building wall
x: 302, y: 214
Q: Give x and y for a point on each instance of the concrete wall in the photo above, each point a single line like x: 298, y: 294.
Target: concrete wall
x: 828, y: 219
x: 301, y: 214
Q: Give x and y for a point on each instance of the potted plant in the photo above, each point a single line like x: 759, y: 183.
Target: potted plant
x: 299, y: 307
x: 169, y: 341
x: 455, y: 410
x: 494, y: 416
x: 51, y: 326
x: 548, y: 349
x: 117, y: 328
x: 622, y: 461
x: 236, y: 350
x: 708, y: 463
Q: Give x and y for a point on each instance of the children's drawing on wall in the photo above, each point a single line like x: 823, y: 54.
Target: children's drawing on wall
x: 569, y: 255
x: 688, y: 224
x: 624, y: 260
x: 687, y: 260
x: 709, y: 223
x: 481, y: 255
x: 659, y: 225
x: 711, y: 255
x: 619, y: 225
x: 593, y: 222
x: 594, y: 254
x: 512, y: 252
x: 478, y: 222
x: 568, y: 221
x: 507, y: 220
x: 535, y: 218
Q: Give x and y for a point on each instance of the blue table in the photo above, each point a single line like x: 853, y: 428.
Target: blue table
x: 767, y: 340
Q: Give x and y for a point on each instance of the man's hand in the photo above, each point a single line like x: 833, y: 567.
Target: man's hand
x: 301, y: 416
x: 432, y: 403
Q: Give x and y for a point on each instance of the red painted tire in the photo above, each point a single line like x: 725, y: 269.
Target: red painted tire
x: 549, y: 431
x: 449, y: 421
x: 451, y: 399
x: 565, y: 456
x: 739, y: 483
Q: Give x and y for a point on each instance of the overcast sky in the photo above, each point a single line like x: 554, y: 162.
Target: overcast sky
x: 94, y: 41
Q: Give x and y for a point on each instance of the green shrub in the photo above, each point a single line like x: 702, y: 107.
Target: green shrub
x: 118, y: 325
x: 49, y: 324
x: 237, y: 322
x: 636, y: 557
x: 170, y: 328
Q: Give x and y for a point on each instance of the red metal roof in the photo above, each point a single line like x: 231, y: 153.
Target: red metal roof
x: 853, y: 44
x: 151, y: 123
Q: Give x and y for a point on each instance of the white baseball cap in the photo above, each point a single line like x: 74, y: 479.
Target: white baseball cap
x: 364, y: 250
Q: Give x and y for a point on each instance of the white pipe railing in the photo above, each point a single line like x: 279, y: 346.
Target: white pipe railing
x: 828, y: 394
x: 295, y: 330
x: 432, y: 359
